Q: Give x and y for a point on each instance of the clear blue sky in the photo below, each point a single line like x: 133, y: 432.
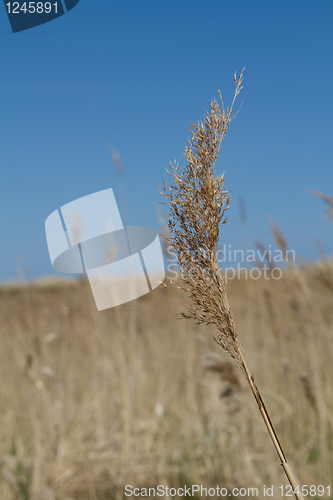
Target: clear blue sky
x: 131, y: 74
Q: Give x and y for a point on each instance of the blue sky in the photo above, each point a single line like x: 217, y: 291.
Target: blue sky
x: 131, y: 74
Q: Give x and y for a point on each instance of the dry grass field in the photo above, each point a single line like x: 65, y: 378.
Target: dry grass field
x: 93, y: 401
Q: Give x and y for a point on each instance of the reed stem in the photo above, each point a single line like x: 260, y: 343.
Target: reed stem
x: 264, y: 413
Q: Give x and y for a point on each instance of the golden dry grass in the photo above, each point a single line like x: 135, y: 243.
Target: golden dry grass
x: 197, y: 202
x: 93, y: 401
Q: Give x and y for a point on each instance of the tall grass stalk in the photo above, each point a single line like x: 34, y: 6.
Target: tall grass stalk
x: 197, y: 203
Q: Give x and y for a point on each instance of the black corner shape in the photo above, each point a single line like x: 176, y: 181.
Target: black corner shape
x: 70, y: 4
x: 25, y: 15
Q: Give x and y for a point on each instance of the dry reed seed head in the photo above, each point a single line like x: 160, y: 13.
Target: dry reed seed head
x: 197, y: 205
x: 327, y: 199
x: 226, y: 372
x: 116, y: 160
x: 264, y: 251
x: 308, y: 391
x: 279, y: 238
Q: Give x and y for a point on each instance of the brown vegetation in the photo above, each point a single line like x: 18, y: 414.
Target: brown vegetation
x: 93, y: 401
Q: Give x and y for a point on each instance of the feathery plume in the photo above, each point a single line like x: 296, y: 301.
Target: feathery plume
x: 197, y: 204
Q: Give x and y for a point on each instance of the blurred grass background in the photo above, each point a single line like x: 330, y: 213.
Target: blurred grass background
x: 92, y: 401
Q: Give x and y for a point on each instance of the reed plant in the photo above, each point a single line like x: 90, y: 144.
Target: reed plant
x: 197, y: 204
